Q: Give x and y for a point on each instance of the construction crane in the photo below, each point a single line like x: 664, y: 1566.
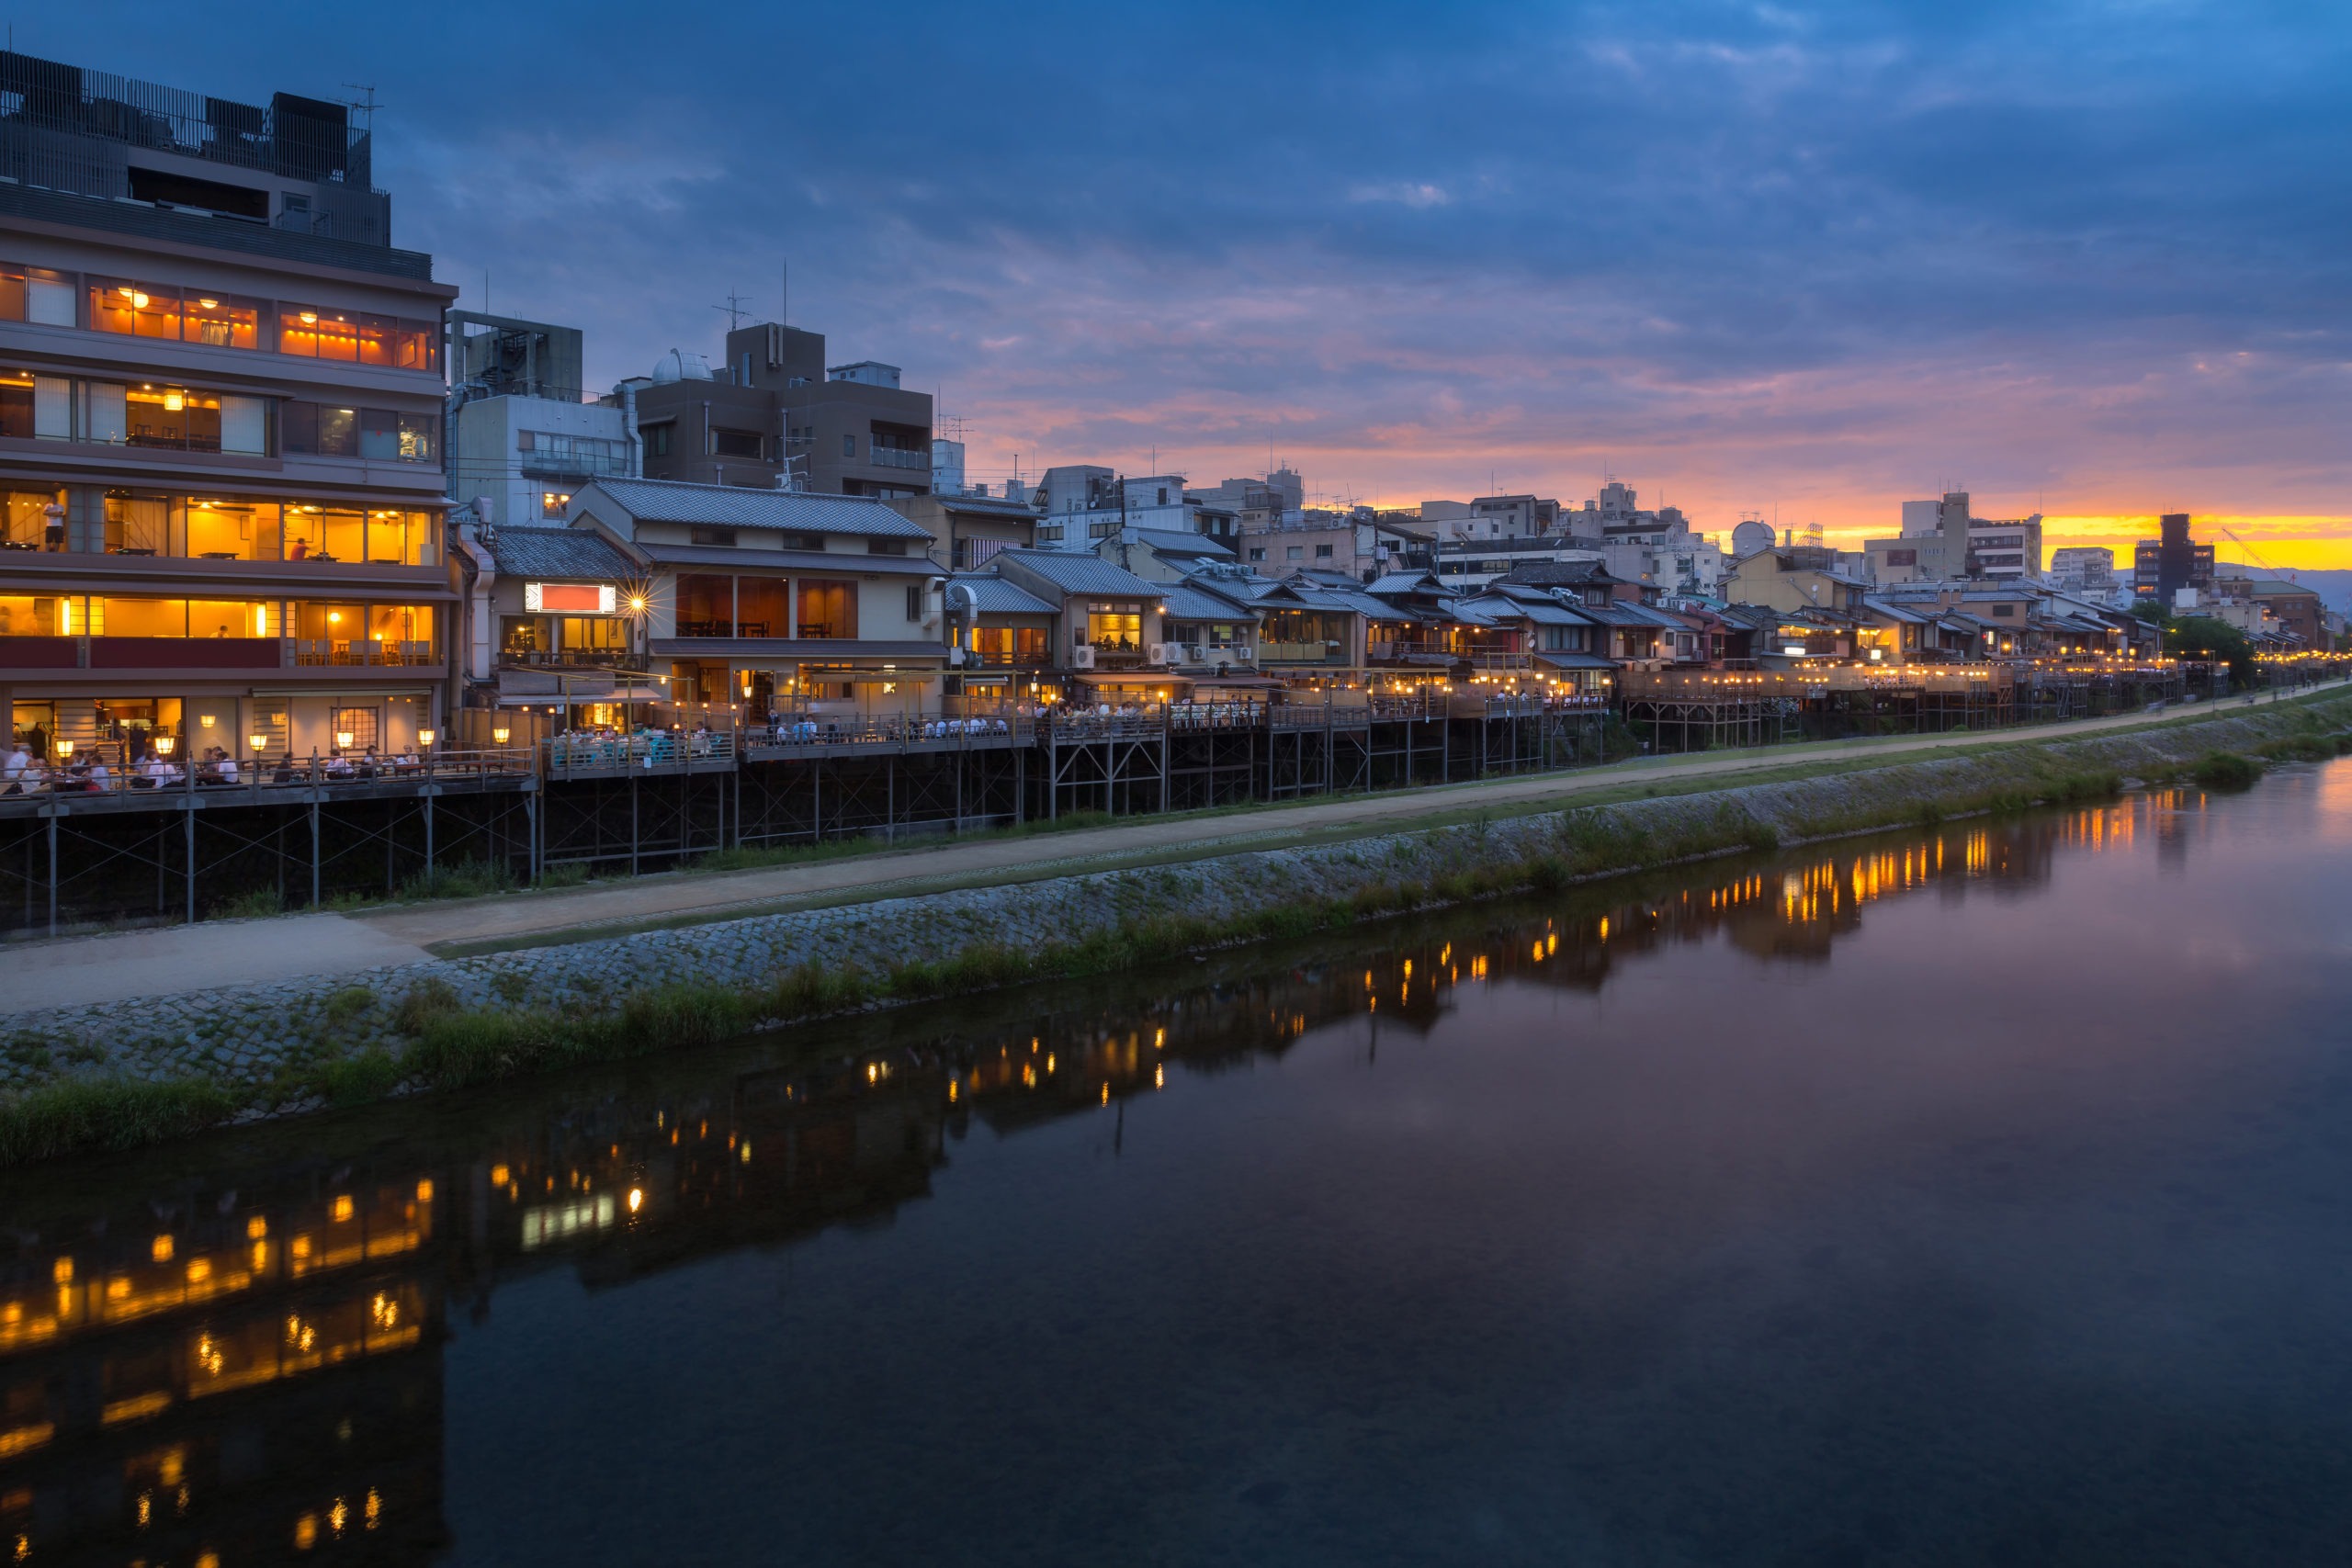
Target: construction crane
x: 2253, y: 555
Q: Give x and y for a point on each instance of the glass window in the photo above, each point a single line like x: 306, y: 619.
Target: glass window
x: 30, y: 615
x: 53, y: 408
x: 417, y: 345
x: 322, y: 430
x: 314, y: 333
x: 826, y: 607
x: 1115, y: 631
x: 227, y: 618
x: 48, y: 301
x: 138, y: 617
x: 379, y: 434
x: 32, y: 519
x: 114, y: 306
x: 519, y: 635
x: 375, y: 339
x: 12, y: 294
x: 105, y: 412
x: 173, y: 417
x: 229, y: 530
x: 17, y: 404
x: 401, y: 539
x: 357, y: 722
x: 418, y: 435
x: 245, y: 425
x: 706, y: 605
x: 601, y: 634
x: 220, y: 321
x: 137, y: 524
x: 400, y: 628
x: 758, y: 606
x: 324, y: 533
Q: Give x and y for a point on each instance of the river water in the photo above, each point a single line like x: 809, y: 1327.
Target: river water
x: 1974, y: 1195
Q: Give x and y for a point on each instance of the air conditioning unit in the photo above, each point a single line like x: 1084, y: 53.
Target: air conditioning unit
x: 1246, y: 653
x: 1081, y: 658
x: 1159, y: 653
x: 1196, y: 654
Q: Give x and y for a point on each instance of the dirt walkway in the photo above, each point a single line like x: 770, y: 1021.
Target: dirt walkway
x: 148, y: 962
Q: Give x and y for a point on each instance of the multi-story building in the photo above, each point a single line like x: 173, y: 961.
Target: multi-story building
x: 2164, y: 566
x: 2084, y: 570
x: 1083, y: 504
x: 522, y: 436
x: 773, y: 600
x: 775, y: 416
x: 220, y: 420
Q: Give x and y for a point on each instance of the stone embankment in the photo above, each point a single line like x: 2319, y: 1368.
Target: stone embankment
x: 122, y: 1072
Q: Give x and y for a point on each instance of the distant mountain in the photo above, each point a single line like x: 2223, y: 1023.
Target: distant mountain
x: 2334, y: 588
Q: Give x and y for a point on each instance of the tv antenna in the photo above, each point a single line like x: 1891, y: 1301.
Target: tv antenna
x: 737, y: 308
x: 366, y: 106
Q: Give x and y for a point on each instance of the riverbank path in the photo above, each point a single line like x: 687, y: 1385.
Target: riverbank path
x: 113, y: 967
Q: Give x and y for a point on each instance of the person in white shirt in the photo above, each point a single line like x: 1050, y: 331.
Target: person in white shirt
x: 14, y: 770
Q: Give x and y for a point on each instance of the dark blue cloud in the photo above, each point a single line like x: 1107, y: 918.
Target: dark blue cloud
x: 1759, y: 250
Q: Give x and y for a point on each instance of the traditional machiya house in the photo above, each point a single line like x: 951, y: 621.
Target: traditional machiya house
x: 555, y: 621
x: 1108, y: 641
x: 1897, y: 634
x: 1001, y: 640
x: 1314, y: 635
x: 770, y: 601
x: 1211, y: 628
x: 221, y: 482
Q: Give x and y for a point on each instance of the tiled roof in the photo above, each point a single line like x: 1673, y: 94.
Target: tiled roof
x: 1192, y: 602
x: 788, y: 561
x: 1074, y: 572
x: 1162, y: 542
x: 560, y: 554
x: 995, y: 596
x: 738, y: 506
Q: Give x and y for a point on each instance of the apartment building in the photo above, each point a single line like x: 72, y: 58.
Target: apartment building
x: 522, y: 434
x: 775, y: 415
x: 221, y: 428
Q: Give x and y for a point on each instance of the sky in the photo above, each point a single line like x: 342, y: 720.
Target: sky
x: 2090, y: 259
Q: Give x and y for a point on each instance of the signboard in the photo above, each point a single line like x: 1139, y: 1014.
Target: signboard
x: 569, y: 598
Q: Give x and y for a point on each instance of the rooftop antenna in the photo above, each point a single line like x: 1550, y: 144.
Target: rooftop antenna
x: 735, y: 309
x: 784, y: 292
x: 368, y: 106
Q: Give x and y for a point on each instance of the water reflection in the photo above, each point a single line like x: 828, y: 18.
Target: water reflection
x: 246, y: 1363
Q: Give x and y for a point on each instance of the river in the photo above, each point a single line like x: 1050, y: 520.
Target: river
x: 1981, y: 1194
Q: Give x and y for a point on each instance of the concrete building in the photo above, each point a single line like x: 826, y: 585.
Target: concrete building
x: 521, y: 438
x: 2171, y: 564
x: 1491, y: 517
x: 2084, y: 570
x: 1081, y: 504
x: 773, y: 416
x: 221, y: 431
x: 968, y: 529
x: 1791, y: 578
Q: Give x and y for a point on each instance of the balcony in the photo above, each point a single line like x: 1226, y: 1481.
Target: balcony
x: 1301, y: 653
x: 613, y: 659
x: 897, y: 458
x: 355, y: 655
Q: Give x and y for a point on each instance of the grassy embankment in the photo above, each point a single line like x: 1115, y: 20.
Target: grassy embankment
x: 451, y: 1046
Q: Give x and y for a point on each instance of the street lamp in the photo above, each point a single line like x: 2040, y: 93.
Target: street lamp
x: 261, y: 742
x: 425, y: 737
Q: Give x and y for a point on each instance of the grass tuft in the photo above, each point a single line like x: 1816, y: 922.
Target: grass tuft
x: 77, y: 1114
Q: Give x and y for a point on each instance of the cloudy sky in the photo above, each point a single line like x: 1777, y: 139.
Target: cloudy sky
x: 2089, y: 258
